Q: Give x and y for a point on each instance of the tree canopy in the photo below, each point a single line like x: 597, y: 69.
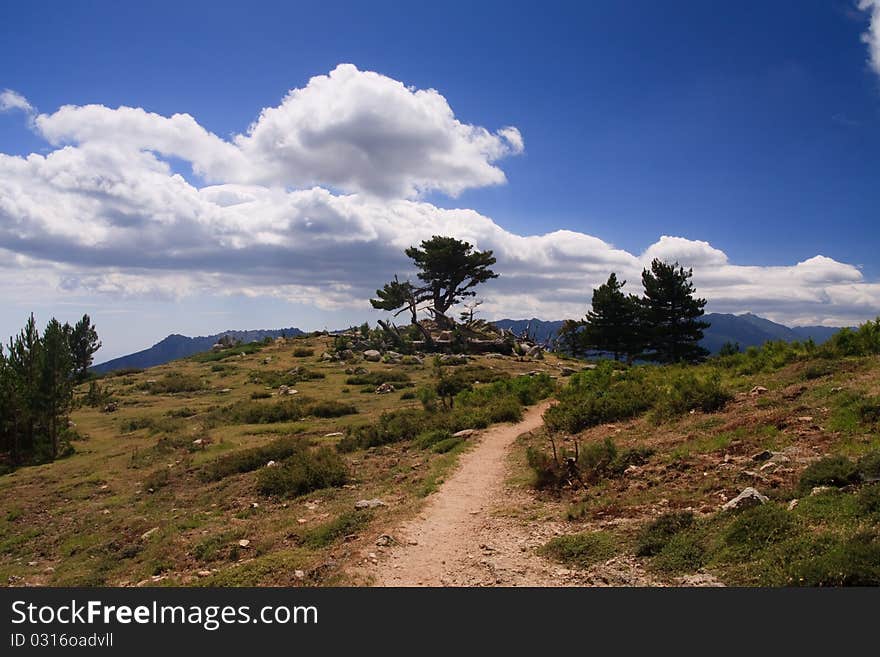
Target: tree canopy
x: 671, y: 312
x: 448, y: 270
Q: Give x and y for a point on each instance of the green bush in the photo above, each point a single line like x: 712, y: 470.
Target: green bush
x: 261, y: 394
x: 684, y: 552
x: 599, y: 396
x: 851, y: 562
x: 686, y: 392
x: 303, y: 352
x: 869, y: 466
x: 836, y: 471
x: 303, y: 472
x: 547, y: 473
x: 655, y: 536
x: 256, y: 412
x: 250, y: 459
x: 341, y: 526
x: 377, y: 378
x: 447, y: 445
x: 758, y: 527
x: 868, y: 501
x: 173, y: 383
x: 391, y: 427
x: 429, y: 438
x: 581, y: 549
x: 330, y: 409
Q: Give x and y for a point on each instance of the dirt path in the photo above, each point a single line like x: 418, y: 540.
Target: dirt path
x: 475, y: 531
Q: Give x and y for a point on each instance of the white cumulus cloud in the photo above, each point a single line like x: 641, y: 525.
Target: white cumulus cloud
x: 314, y: 204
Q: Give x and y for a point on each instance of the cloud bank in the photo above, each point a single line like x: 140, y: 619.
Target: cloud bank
x: 315, y: 202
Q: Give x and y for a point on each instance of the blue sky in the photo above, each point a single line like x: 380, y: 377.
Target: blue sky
x: 751, y: 126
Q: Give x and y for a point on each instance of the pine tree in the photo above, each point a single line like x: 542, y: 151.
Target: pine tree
x: 670, y: 314
x: 56, y: 384
x: 24, y: 365
x: 612, y: 323
x: 83, y: 339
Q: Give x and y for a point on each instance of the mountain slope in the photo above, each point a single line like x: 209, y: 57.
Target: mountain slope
x: 180, y: 346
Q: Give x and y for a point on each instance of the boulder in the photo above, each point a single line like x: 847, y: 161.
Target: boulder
x: 112, y: 407
x: 757, y: 390
x: 384, y: 389
x: 748, y: 498
x: 372, y: 355
x: 369, y: 504
x: 327, y: 356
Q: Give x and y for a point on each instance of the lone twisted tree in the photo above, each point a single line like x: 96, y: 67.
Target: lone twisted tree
x: 448, y: 269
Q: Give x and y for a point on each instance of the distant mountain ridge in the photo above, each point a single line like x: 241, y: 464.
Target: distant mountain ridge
x: 180, y: 346
x: 748, y: 330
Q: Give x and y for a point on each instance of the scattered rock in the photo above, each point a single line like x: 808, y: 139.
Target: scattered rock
x: 748, y: 498
x: 385, y: 540
x: 369, y: 504
x: 757, y: 390
x: 700, y: 579
x: 299, y: 574
x: 205, y: 573
x: 149, y: 533
x: 567, y: 371
x: 384, y: 389
x: 818, y: 490
x: 805, y: 418
x: 112, y: 407
x: 372, y: 355
x: 464, y: 433
x: 326, y: 356
x: 793, y: 504
x: 333, y: 434
x: 765, y: 455
x: 244, y: 543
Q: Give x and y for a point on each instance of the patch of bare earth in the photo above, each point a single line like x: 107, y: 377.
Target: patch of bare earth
x: 479, y: 531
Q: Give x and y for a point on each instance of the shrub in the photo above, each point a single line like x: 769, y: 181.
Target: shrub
x: 183, y: 412
x: 592, y: 400
x: 156, y: 480
x: 684, y: 552
x: 581, y: 549
x: 851, y: 562
x: 256, y: 412
x: 303, y: 352
x: 447, y: 445
x: 409, y: 394
x: 173, y: 383
x: 830, y: 471
x: 687, y: 392
x: 303, y: 472
x: 868, y: 501
x: 655, y: 536
x: 869, y: 466
x: 343, y: 525
x: 377, y: 378
x: 392, y: 427
x: 330, y: 409
x: 595, y: 459
x: 429, y: 438
x: 758, y: 527
x: 547, y: 472
x: 261, y: 394
x: 250, y: 459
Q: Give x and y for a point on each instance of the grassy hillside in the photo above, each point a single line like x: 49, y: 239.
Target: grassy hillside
x: 662, y: 449
x: 174, y: 486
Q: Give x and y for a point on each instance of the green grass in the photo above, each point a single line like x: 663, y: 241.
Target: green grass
x: 581, y: 550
